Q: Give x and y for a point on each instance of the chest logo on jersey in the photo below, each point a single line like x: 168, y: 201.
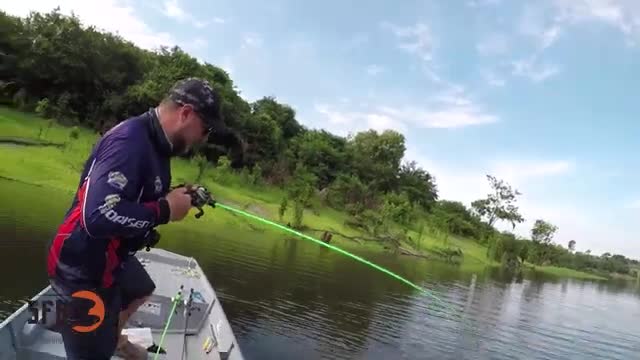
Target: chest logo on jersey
x: 117, y: 180
x: 158, y: 185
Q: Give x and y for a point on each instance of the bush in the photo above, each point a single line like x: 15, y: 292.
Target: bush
x: 201, y: 163
x: 298, y: 211
x: 74, y: 133
x: 44, y: 108
x: 283, y: 208
x: 256, y: 175
x: 223, y: 172
x: 397, y: 207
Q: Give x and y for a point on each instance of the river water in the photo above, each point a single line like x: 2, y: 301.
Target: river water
x: 290, y: 299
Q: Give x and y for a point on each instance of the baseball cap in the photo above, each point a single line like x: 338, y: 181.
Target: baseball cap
x: 205, y: 101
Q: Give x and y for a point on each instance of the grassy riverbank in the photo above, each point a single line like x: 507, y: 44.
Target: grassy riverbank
x: 56, y: 162
x: 565, y: 272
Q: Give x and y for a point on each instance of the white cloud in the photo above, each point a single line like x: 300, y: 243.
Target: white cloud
x: 108, y: 15
x: 481, y: 3
x: 468, y: 184
x: 202, y: 24
x: 549, y: 36
x: 547, y: 20
x: 251, y: 40
x: 521, y: 171
x: 528, y: 176
x: 535, y: 72
x: 172, y: 9
x: 622, y: 14
x: 493, y: 44
x: 344, y: 122
x: 446, y: 117
x: 448, y: 110
x: 374, y: 70
x: 416, y: 39
x: 493, y: 79
x: 633, y: 205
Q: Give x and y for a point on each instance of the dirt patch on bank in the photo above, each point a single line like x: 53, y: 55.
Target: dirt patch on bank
x: 257, y: 210
x: 27, y: 142
x: 19, y: 181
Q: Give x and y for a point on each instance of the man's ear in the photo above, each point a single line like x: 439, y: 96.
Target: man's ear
x: 182, y: 115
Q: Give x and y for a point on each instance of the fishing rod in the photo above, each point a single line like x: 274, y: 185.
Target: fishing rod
x: 201, y: 197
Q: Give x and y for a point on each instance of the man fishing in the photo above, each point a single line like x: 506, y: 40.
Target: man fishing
x: 123, y: 195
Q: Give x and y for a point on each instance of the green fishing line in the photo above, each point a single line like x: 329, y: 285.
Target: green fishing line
x: 335, y: 248
x: 319, y: 242
x: 175, y: 300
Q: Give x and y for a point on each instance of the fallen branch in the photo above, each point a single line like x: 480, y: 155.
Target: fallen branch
x: 404, y: 251
x: 360, y: 239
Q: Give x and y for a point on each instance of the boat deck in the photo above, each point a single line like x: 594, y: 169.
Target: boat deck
x: 186, y: 338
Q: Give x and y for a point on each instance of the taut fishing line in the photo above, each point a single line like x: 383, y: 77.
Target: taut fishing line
x: 201, y: 196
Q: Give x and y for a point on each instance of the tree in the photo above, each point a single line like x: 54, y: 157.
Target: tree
x: 418, y: 184
x: 524, y: 251
x: 543, y: 250
x: 543, y: 232
x: 300, y: 191
x: 323, y: 153
x: 376, y: 158
x: 454, y: 217
x: 500, y: 204
x: 263, y: 136
x: 572, y: 245
x: 397, y: 207
x: 283, y: 115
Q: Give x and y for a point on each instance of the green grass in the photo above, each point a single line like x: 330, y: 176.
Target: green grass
x: 58, y: 169
x: 565, y: 272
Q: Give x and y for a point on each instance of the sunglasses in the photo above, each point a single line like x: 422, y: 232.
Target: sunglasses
x: 206, y: 129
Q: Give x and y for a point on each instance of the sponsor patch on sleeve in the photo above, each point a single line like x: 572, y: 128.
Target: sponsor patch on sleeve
x: 109, y: 202
x: 158, y: 185
x: 117, y: 180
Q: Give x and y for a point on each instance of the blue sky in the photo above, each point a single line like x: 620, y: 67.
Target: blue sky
x: 540, y: 93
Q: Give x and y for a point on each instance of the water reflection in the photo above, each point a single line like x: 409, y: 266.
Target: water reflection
x: 290, y: 299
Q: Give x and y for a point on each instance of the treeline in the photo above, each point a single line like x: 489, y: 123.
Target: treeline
x: 512, y: 251
x: 54, y: 65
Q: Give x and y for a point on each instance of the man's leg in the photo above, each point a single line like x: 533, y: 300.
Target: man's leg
x: 125, y: 314
x: 96, y: 344
x: 136, y: 286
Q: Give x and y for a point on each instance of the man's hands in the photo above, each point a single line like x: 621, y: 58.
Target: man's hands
x: 179, y: 203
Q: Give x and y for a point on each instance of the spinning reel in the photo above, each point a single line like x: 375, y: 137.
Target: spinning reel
x: 200, y: 197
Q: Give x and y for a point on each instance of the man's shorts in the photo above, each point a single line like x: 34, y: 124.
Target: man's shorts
x: 100, y: 343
